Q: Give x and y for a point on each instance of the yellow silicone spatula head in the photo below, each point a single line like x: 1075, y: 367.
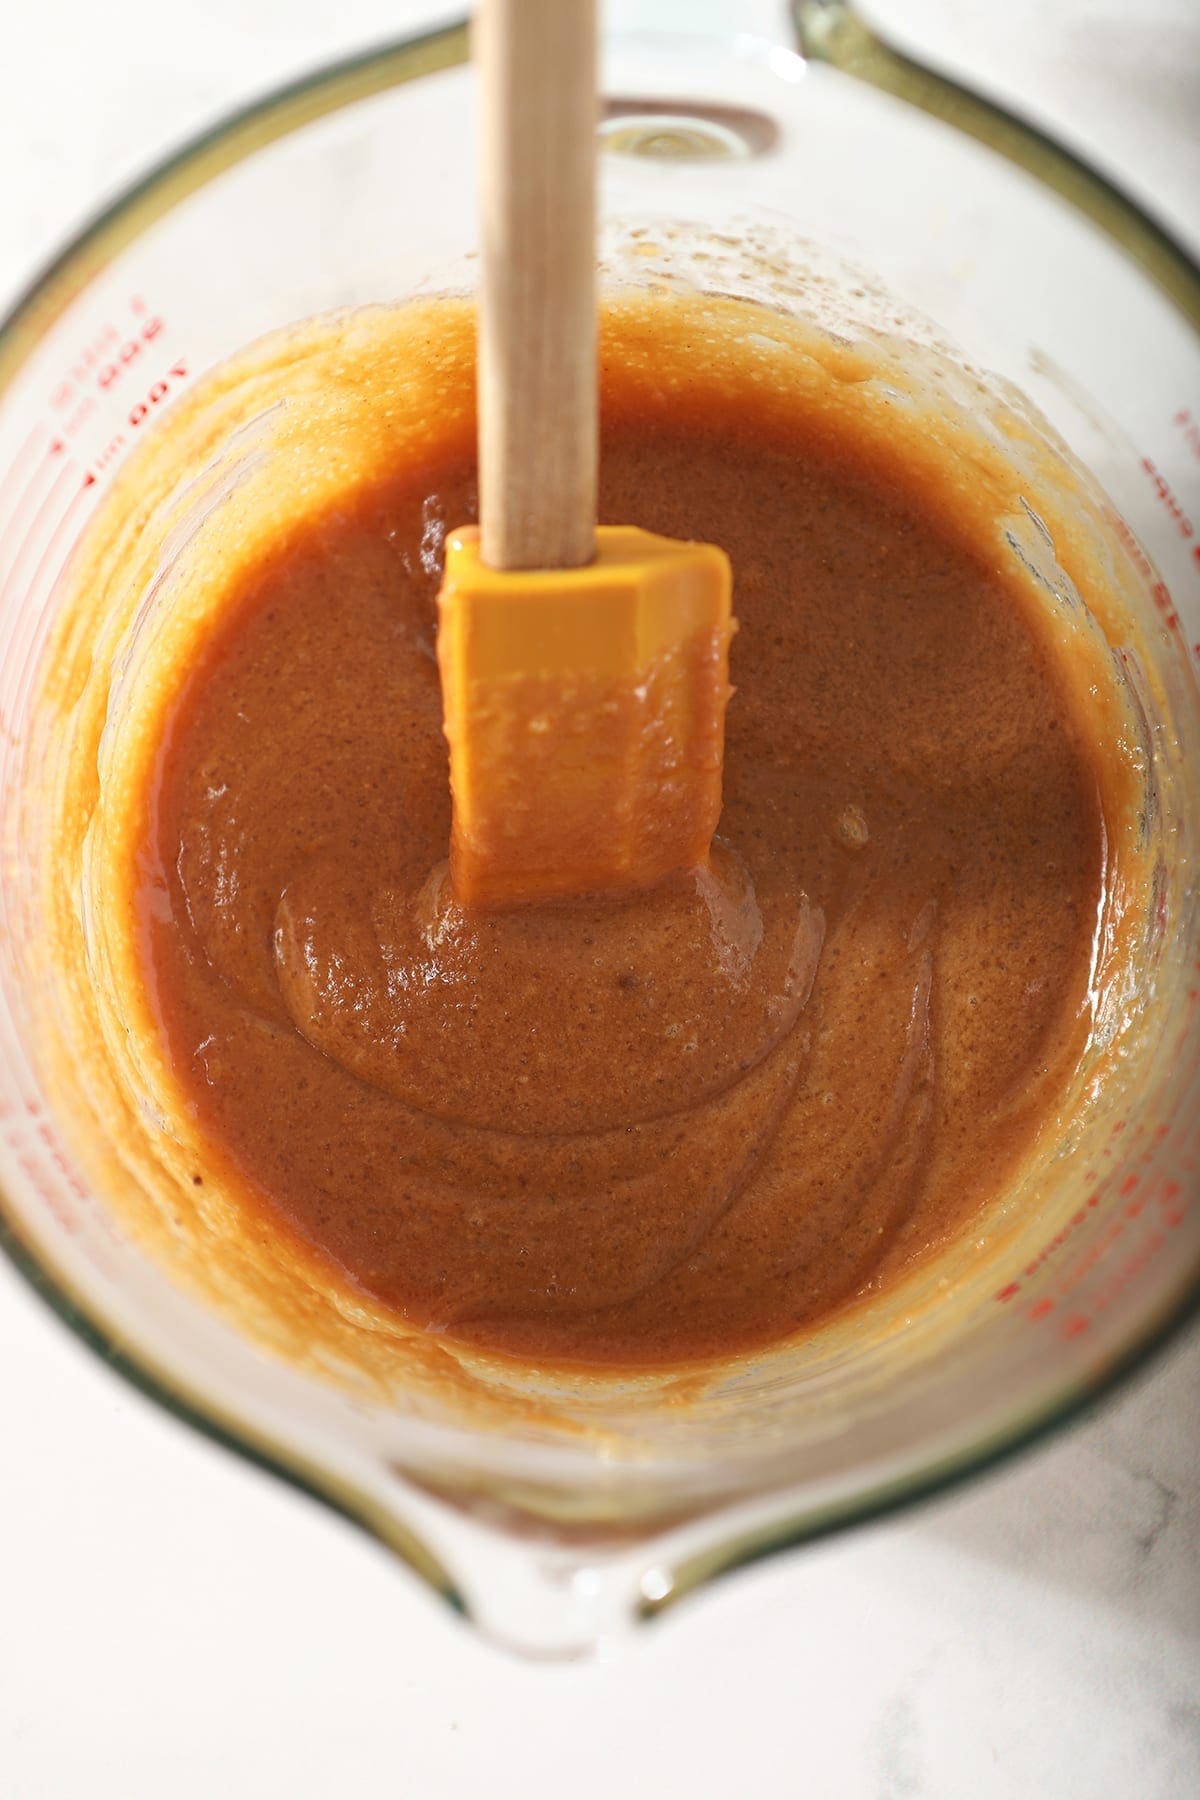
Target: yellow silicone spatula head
x: 584, y: 672
x: 585, y: 712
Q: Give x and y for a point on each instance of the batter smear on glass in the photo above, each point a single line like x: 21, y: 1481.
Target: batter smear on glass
x: 647, y: 1129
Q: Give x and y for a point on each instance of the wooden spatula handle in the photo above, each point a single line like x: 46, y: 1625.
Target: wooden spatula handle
x: 537, y: 328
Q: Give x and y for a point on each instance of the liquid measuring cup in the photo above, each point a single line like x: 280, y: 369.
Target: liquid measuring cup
x: 766, y: 166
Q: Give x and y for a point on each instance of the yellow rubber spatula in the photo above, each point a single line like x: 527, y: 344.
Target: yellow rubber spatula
x: 584, y: 671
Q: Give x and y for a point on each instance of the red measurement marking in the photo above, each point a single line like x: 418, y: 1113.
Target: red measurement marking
x: 112, y: 371
x: 1167, y: 1193
x: 50, y: 563
x: 1055, y: 1243
x: 67, y: 472
x: 1094, y: 1254
x: 1074, y: 1324
x: 1136, y: 553
x: 109, y: 454
x: 1190, y: 428
x: 17, y: 467
x: 1133, y: 1266
x: 102, y: 358
x: 82, y: 365
x: 1170, y: 500
x: 76, y: 421
x: 25, y: 499
x: 1161, y: 595
x: 156, y: 394
x: 56, y: 538
x: 45, y: 1188
x: 1146, y: 1242
x: 61, y: 1164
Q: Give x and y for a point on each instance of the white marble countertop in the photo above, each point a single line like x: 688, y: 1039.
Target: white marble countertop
x: 177, y: 1626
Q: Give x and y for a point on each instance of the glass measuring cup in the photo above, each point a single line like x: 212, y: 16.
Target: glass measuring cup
x: 552, y: 1539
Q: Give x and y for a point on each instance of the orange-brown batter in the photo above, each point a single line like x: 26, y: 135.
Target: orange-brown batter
x: 643, y: 1130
